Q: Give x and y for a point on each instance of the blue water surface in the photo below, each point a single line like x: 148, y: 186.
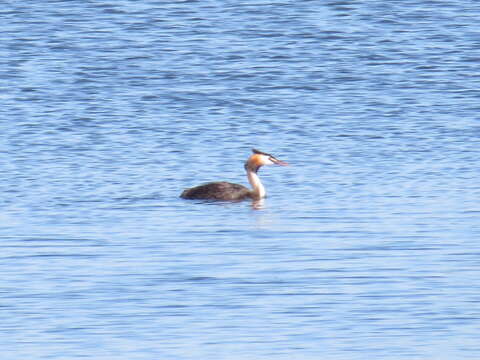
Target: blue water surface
x: 367, y: 246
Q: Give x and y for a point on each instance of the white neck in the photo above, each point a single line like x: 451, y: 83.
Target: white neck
x: 254, y: 180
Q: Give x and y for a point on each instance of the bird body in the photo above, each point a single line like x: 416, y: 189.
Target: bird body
x: 233, y: 192
x: 221, y: 190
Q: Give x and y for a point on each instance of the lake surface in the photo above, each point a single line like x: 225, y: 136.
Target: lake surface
x: 368, y: 245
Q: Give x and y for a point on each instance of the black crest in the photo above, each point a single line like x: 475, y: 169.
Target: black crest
x: 255, y: 151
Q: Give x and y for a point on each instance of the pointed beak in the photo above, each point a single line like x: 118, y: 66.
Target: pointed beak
x: 279, y: 162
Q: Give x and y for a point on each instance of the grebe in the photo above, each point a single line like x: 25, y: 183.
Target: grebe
x: 233, y: 192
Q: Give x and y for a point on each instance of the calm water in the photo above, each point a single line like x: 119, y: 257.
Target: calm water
x: 368, y: 246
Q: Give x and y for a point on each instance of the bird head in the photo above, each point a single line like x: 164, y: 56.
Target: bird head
x: 259, y: 159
